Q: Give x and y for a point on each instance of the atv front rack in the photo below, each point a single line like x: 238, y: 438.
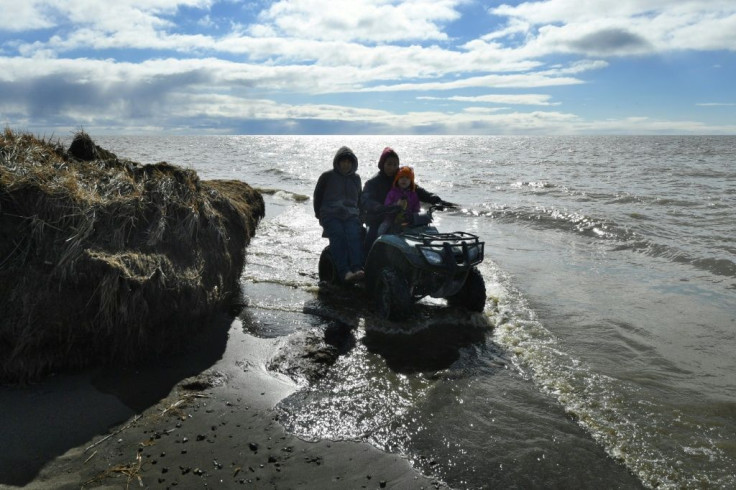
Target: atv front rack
x: 450, y: 250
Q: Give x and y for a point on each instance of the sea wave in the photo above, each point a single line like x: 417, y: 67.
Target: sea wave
x: 556, y: 219
x: 612, y: 410
x: 622, y: 238
x: 533, y: 185
x: 283, y: 194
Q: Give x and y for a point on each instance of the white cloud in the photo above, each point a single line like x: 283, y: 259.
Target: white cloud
x: 618, y: 28
x: 483, y: 110
x: 573, y: 11
x: 18, y: 16
x: 363, y: 20
x: 115, y: 16
x: 139, y: 25
x: 307, y: 79
x: 512, y: 99
x: 522, y: 80
x: 382, y: 62
x: 185, y: 110
x: 227, y: 106
x: 304, y: 51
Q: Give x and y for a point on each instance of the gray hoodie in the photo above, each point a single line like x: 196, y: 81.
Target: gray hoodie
x: 336, y: 194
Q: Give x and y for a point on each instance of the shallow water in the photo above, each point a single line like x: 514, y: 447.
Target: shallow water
x: 604, y: 356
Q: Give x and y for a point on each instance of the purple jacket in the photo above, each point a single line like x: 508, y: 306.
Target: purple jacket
x: 397, y: 193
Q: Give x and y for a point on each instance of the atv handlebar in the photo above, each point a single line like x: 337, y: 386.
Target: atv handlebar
x: 441, y: 206
x: 423, y: 219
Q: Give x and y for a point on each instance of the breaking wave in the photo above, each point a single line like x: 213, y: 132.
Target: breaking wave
x: 284, y: 195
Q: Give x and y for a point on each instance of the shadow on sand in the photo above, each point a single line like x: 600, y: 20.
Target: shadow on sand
x: 42, y: 421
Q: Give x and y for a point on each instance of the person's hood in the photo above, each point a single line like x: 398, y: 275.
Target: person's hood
x: 387, y: 152
x: 343, y: 153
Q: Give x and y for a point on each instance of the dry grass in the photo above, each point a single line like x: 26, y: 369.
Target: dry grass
x: 106, y: 260
x: 131, y: 472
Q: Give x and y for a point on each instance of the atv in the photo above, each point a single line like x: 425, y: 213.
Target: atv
x: 419, y: 261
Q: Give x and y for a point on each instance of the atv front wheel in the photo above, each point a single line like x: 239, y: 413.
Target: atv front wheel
x: 327, y: 269
x: 392, y: 295
x: 472, y: 296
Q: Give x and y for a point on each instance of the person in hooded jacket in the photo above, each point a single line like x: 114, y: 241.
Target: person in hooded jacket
x: 375, y: 191
x: 336, y: 199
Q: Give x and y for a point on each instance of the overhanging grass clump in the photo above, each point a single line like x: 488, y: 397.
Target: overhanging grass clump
x: 104, y: 260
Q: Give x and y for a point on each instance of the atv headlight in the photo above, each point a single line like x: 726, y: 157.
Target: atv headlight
x: 434, y: 258
x: 473, y: 253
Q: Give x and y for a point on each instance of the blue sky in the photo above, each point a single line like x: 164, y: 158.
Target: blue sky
x: 368, y: 67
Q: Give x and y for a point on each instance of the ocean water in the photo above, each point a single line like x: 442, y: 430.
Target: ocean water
x: 605, y: 356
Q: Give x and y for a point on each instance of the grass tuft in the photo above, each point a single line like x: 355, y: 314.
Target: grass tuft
x: 104, y: 260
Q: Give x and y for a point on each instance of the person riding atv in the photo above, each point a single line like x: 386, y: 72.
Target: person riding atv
x: 417, y: 262
x: 372, y: 200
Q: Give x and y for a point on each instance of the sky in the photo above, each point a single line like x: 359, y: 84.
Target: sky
x: 368, y: 67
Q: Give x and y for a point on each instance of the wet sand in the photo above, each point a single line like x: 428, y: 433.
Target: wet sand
x: 203, y: 419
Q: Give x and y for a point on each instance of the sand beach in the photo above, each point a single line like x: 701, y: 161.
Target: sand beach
x: 177, y: 425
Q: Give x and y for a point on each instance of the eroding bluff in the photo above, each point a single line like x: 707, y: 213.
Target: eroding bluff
x: 104, y: 260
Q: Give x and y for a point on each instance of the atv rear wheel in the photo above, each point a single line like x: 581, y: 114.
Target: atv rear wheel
x: 472, y: 296
x: 392, y: 295
x: 327, y: 269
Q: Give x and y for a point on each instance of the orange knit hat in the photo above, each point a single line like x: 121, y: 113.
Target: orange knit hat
x: 406, y: 172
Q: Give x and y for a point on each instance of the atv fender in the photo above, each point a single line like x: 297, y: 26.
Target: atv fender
x: 386, y: 253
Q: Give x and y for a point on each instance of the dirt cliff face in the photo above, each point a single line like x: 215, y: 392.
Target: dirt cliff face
x: 104, y: 260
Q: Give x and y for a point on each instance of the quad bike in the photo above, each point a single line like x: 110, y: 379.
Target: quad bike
x: 417, y: 262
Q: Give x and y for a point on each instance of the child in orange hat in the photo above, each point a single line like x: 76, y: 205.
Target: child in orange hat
x: 405, y: 195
